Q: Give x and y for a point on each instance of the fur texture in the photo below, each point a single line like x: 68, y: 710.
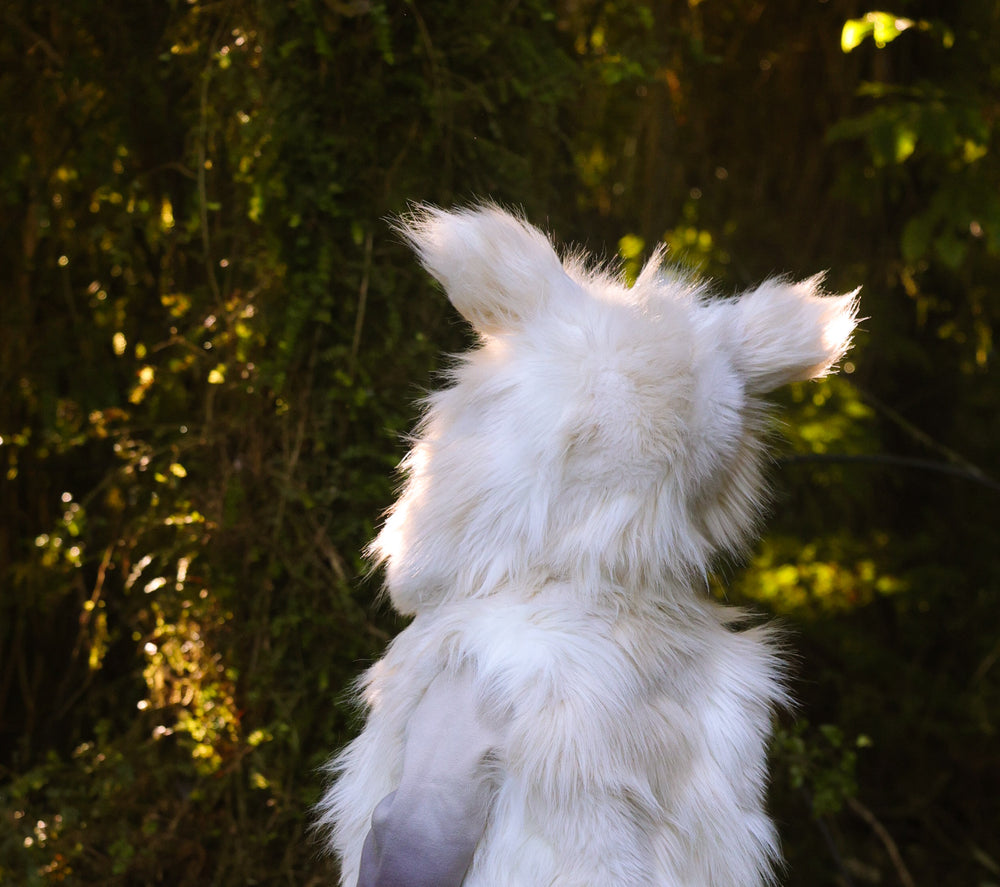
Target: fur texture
x: 563, y: 500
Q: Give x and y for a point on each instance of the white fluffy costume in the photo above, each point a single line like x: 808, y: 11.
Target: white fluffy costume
x: 568, y: 707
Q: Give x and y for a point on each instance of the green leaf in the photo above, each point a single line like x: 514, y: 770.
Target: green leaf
x: 951, y: 249
x: 853, y: 33
x: 884, y: 27
x: 916, y: 237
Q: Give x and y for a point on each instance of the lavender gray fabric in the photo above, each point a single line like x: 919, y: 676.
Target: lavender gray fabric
x: 425, y: 833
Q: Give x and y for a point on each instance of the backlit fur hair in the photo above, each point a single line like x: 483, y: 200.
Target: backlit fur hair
x: 564, y: 499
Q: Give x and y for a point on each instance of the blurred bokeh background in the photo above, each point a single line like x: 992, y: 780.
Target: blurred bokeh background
x: 211, y: 343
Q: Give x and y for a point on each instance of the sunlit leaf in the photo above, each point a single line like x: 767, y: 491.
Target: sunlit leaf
x: 630, y: 248
x: 166, y: 214
x: 853, y: 33
x: 884, y: 27
x: 906, y: 142
x: 971, y: 151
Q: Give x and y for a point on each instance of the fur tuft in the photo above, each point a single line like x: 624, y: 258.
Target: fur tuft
x: 790, y: 332
x: 497, y: 270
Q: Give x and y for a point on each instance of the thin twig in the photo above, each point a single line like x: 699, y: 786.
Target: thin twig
x: 40, y: 41
x: 883, y: 835
x: 206, y: 77
x: 965, y: 471
x: 831, y: 845
x: 202, y: 188
x: 922, y: 437
x: 359, y: 320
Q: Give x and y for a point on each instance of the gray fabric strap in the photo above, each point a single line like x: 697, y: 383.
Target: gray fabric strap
x: 425, y: 833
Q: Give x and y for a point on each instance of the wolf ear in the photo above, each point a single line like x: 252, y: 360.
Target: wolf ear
x: 788, y: 332
x: 496, y: 268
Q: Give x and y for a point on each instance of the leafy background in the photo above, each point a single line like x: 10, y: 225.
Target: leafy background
x: 211, y: 342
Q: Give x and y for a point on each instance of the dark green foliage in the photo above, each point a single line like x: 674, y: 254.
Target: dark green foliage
x: 211, y: 342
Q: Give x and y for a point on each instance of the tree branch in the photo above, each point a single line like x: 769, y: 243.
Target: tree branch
x: 883, y: 835
x: 965, y: 471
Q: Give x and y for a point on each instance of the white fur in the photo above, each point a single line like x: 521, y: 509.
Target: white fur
x: 564, y: 498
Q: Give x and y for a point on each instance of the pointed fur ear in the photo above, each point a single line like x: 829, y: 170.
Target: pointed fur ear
x: 788, y: 332
x: 495, y: 267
